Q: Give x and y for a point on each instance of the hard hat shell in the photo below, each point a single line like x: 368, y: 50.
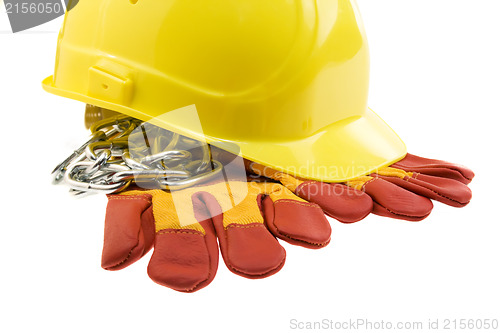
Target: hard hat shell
x: 285, y: 80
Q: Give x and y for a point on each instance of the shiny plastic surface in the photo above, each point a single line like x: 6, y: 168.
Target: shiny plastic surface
x: 285, y: 80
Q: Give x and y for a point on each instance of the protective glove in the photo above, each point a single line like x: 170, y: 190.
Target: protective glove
x: 184, y: 225
x: 401, y: 191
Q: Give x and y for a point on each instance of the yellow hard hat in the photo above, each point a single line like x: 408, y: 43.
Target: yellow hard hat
x: 285, y: 80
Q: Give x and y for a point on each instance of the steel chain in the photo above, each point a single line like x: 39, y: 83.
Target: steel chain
x: 123, y: 150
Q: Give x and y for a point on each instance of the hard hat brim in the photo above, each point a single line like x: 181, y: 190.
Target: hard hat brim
x: 344, y: 150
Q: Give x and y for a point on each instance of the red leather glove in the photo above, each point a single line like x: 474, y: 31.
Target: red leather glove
x: 401, y: 191
x: 184, y: 226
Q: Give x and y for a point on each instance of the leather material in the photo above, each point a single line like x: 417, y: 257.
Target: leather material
x: 184, y: 260
x: 185, y: 257
x: 404, y: 189
x: 249, y: 249
x: 447, y: 191
x: 393, y: 201
x: 129, y: 231
x: 339, y: 201
x: 436, y: 168
x: 296, y: 222
x: 400, y: 191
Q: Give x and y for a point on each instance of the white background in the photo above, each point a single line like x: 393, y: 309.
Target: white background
x: 435, y: 79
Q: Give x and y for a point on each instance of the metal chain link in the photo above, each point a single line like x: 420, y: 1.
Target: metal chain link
x: 123, y: 150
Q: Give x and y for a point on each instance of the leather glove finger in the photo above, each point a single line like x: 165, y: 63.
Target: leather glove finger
x: 437, y: 168
x: 128, y: 230
x: 393, y: 201
x: 445, y: 190
x: 185, y: 257
x: 339, y: 201
x: 247, y: 231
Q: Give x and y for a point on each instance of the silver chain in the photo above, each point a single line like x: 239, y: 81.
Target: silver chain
x: 123, y: 150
